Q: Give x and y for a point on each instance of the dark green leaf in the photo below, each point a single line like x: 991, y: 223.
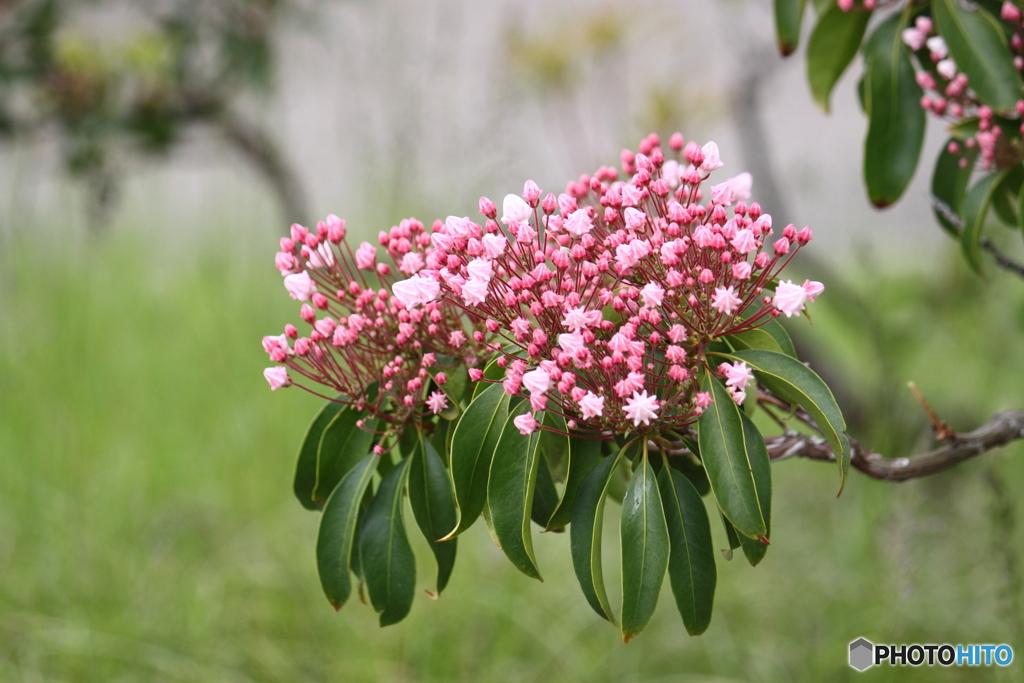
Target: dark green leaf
x: 692, y: 470
x: 792, y: 381
x: 305, y: 467
x: 730, y: 536
x: 691, y: 564
x: 755, y: 549
x: 433, y: 506
x: 771, y: 336
x: 584, y: 456
x: 645, y: 549
x: 545, y: 495
x: 975, y: 210
x: 510, y: 490
x: 978, y: 46
x: 338, y: 531
x: 476, y: 435
x: 1004, y: 199
x: 389, y: 567
x: 732, y: 468
x: 949, y: 182
x: 585, y: 534
x: 832, y: 46
x: 896, y: 121
x: 788, y: 17
x: 342, y: 445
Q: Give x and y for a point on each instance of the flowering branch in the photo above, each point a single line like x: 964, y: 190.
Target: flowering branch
x: 999, y: 431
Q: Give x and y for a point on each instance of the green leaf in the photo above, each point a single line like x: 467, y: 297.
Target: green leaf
x: 342, y: 445
x: 975, y: 209
x: 510, y: 490
x: 305, y: 467
x: 792, y: 381
x: 730, y: 536
x: 949, y: 182
x: 337, y: 532
x: 692, y: 470
x: 584, y: 456
x: 1004, y: 199
x: 832, y: 46
x: 978, y: 46
x: 545, y: 495
x: 433, y: 506
x: 691, y: 562
x: 585, y: 534
x: 473, y: 442
x: 755, y: 549
x: 645, y: 549
x: 1020, y: 209
x: 770, y: 336
x: 788, y: 17
x: 736, y: 472
x: 389, y: 566
x: 896, y: 121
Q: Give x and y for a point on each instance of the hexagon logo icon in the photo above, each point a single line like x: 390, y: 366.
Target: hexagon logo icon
x: 861, y: 654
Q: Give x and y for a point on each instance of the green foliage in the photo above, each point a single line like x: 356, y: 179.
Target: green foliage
x: 788, y: 18
x: 185, y: 62
x: 833, y: 45
x: 949, y: 183
x: 338, y: 531
x: 510, y: 490
x: 645, y: 549
x: 980, y: 49
x: 737, y: 467
x: 896, y: 121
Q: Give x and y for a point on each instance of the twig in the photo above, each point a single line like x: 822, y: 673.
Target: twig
x: 1002, y: 259
x: 942, y: 430
x: 1000, y: 430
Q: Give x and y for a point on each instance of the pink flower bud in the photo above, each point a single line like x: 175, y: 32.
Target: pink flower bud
x: 298, y: 232
x: 290, y: 331
x: 676, y: 141
x: 488, y: 208
x: 319, y: 300
x: 804, y: 236
x: 781, y: 246
x: 531, y: 193
x: 277, y: 377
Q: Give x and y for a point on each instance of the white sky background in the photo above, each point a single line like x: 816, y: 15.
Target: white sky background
x: 392, y: 107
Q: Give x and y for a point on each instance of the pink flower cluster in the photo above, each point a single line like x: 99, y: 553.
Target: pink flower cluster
x: 360, y: 335
x: 603, y: 300
x: 951, y: 98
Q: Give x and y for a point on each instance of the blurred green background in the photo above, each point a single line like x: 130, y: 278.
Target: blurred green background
x: 148, y: 532
x: 147, y: 526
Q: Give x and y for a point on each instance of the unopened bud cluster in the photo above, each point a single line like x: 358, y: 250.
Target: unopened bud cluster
x: 601, y: 302
x: 361, y: 342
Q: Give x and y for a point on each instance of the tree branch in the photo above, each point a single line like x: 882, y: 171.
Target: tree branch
x: 1002, y: 259
x: 261, y: 150
x: 1000, y: 430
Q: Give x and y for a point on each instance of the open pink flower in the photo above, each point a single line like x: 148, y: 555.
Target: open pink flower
x: 300, y: 286
x: 437, y: 402
x: 642, y: 408
x: 789, y: 298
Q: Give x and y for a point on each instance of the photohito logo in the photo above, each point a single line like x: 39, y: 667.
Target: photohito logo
x: 865, y: 654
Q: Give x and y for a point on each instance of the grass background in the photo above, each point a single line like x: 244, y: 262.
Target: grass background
x: 148, y: 533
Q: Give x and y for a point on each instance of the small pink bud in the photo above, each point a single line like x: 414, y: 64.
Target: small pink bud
x: 531, y: 193
x: 550, y: 203
x: 476, y: 374
x: 488, y: 208
x: 1010, y: 11
x: 804, y: 236
x: 319, y: 300
x: 290, y: 331
x: 781, y: 246
x: 287, y: 245
x: 789, y: 232
x: 298, y: 232
x: 676, y: 141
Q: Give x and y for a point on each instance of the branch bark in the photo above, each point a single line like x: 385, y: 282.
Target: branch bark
x: 1000, y: 430
x: 265, y: 155
x: 1002, y: 260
